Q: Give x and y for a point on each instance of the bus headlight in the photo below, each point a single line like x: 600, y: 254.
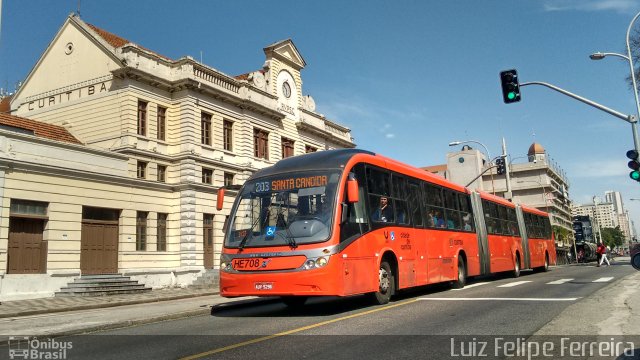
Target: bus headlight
x: 322, y: 261
x: 315, y: 263
x: 225, y: 266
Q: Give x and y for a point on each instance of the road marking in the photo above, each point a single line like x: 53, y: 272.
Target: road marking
x: 293, y: 331
x: 604, y: 279
x: 559, y: 281
x: 516, y: 283
x: 498, y: 299
x: 470, y: 286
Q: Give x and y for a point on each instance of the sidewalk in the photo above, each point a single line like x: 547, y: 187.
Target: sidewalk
x: 613, y: 310
x: 19, y: 308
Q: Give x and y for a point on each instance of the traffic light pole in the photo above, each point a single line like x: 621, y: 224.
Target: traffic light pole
x: 508, y: 195
x: 628, y: 118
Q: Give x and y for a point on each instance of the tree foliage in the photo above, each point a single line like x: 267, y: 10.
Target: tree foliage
x: 612, y: 237
x: 634, y: 44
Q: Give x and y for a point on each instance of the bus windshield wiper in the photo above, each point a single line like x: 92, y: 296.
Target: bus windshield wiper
x: 245, y: 239
x: 288, y: 237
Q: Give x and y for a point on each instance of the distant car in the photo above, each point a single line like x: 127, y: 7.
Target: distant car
x: 635, y: 256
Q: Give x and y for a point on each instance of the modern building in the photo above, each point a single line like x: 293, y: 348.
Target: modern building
x: 141, y: 143
x: 610, y: 213
x: 622, y: 214
x: 538, y: 182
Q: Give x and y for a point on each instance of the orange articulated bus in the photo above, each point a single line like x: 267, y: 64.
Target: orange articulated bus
x: 311, y: 225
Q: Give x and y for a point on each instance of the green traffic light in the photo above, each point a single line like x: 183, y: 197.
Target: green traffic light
x: 635, y: 175
x: 511, y: 95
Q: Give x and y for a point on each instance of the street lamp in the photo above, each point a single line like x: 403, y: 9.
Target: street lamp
x: 629, y: 58
x: 454, y: 143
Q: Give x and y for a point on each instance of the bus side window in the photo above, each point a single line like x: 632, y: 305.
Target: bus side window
x: 415, y: 197
x: 467, y: 215
x: 400, y: 199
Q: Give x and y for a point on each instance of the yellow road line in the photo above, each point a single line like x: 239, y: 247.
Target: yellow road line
x: 293, y: 331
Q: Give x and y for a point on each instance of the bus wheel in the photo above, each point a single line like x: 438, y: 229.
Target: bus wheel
x: 545, y: 267
x: 462, y: 275
x: 294, y: 301
x: 516, y: 268
x: 635, y: 261
x: 386, y: 284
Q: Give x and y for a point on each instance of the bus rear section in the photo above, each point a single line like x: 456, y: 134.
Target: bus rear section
x: 539, y: 239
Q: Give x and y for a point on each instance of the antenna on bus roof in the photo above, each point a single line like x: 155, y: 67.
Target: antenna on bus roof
x: 78, y: 11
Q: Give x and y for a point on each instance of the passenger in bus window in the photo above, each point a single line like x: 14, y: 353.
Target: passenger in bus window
x: 467, y: 222
x: 439, y: 219
x: 384, y: 212
x: 431, y: 219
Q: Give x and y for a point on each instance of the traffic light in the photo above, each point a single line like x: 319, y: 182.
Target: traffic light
x: 634, y: 165
x: 500, y: 166
x: 510, y: 86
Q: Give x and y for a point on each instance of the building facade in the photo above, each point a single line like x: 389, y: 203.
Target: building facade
x: 157, y: 138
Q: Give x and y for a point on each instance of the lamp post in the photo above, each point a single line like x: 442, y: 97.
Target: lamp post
x: 629, y: 58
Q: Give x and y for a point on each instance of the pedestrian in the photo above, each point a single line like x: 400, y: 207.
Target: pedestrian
x: 602, y: 250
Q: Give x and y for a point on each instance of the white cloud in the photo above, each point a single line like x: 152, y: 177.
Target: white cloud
x: 390, y: 136
x: 600, y: 169
x: 621, y: 6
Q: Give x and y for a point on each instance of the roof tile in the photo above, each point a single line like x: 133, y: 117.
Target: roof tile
x: 40, y: 129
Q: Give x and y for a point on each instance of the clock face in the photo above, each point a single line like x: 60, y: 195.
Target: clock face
x: 286, y: 89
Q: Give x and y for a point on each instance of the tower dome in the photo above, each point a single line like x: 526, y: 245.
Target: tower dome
x: 535, y: 148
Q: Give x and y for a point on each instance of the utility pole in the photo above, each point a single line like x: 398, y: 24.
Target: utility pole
x: 595, y: 216
x: 508, y: 195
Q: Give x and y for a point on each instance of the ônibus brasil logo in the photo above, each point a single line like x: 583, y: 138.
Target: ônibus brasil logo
x: 24, y: 347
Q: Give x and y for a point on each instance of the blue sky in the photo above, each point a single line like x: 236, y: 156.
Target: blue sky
x: 407, y: 77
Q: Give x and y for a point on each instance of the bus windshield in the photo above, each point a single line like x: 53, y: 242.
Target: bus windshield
x: 285, y: 209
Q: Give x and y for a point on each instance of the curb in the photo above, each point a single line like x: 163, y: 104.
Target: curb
x: 104, y: 305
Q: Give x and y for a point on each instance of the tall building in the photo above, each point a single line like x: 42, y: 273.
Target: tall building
x: 602, y: 214
x: 155, y: 137
x: 610, y: 213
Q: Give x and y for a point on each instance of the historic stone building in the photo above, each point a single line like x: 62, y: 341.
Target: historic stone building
x: 134, y: 192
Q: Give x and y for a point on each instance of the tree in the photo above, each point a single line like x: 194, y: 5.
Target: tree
x: 612, y: 237
x: 634, y: 43
x: 560, y: 233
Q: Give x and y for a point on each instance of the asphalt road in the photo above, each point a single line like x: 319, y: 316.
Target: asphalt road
x: 433, y: 322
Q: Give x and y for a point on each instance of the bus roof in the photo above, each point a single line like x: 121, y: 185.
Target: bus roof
x: 335, y: 159
x: 329, y: 159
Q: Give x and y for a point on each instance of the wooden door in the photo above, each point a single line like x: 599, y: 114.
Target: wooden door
x: 99, y: 247
x: 27, y: 253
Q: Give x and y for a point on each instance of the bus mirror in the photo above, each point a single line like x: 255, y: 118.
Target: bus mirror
x: 352, y: 189
x: 220, y: 202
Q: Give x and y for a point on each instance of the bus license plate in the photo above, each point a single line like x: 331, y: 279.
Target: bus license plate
x: 248, y: 264
x: 264, y: 286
